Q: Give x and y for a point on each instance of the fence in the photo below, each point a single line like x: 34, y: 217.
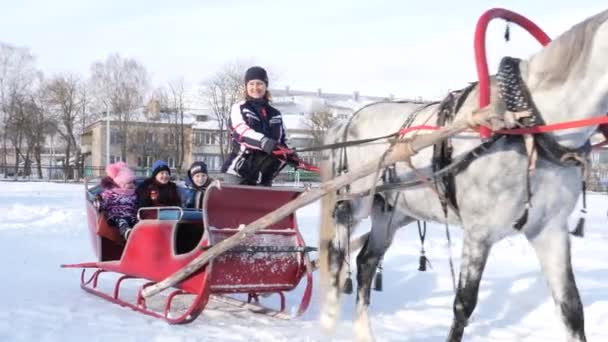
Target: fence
x: 597, y: 180
x: 47, y: 172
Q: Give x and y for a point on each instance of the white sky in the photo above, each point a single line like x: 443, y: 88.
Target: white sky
x: 408, y: 48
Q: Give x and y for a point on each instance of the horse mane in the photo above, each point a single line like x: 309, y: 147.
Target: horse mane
x: 567, y: 55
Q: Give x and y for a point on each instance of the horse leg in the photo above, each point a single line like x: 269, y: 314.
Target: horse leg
x: 552, y: 246
x: 475, y: 253
x: 385, y: 223
x: 336, y: 253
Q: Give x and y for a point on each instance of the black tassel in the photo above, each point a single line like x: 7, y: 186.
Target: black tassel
x: 422, y: 263
x: 348, y: 286
x: 579, y: 231
x: 422, y: 233
x: 378, y: 281
x: 522, y: 220
x: 507, y: 33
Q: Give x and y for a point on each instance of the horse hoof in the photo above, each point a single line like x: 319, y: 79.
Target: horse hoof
x: 362, y: 326
x: 330, y: 311
x: 328, y: 322
x: 363, y: 333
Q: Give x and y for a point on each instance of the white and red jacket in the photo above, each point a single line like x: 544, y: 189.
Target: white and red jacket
x: 253, y: 123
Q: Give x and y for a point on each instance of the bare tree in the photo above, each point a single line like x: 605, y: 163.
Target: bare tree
x: 172, y: 104
x: 146, y: 142
x: 18, y: 76
x: 41, y: 125
x: 15, y: 126
x: 121, y: 84
x: 63, y: 95
x: 318, y: 123
x: 221, y: 91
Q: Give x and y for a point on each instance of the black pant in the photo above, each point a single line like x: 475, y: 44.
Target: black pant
x: 257, y: 168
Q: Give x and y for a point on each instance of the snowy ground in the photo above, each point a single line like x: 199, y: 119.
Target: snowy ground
x: 43, y: 225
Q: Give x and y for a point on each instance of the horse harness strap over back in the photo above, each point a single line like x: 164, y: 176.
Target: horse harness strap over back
x: 442, y: 151
x: 389, y: 174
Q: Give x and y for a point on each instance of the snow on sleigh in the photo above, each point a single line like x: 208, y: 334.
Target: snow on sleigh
x: 272, y: 261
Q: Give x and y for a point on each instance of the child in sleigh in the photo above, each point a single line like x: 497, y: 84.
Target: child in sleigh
x: 118, y: 199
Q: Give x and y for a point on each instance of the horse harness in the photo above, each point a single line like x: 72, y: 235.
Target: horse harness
x: 389, y: 174
x: 516, y: 97
x: 442, y: 151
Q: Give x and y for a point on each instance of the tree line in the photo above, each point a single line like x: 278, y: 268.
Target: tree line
x: 39, y: 110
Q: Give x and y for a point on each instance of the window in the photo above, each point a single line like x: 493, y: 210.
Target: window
x: 209, y: 139
x: 115, y: 137
x: 300, y: 142
x: 144, y: 161
x: 115, y: 159
x: 140, y: 137
x: 205, y: 138
x: 169, y: 138
x: 342, y: 116
x: 202, y: 118
x: 213, y: 161
x: 602, y: 156
x: 198, y: 138
x: 149, y: 138
x: 171, y: 162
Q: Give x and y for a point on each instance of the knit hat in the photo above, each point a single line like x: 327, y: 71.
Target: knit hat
x: 159, y: 166
x: 120, y: 173
x: 256, y: 73
x: 197, y: 167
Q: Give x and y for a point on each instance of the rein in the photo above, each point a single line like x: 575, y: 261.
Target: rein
x: 511, y: 131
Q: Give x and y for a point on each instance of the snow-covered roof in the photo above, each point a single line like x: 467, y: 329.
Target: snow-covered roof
x: 211, y: 124
x: 325, y: 96
x: 295, y: 121
x: 293, y: 104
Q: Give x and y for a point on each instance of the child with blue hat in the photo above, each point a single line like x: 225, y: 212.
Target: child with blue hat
x: 158, y: 190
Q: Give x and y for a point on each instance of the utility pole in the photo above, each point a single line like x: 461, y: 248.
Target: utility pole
x: 107, y: 134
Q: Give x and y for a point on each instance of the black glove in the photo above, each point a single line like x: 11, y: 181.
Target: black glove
x: 294, y: 155
x: 268, y: 145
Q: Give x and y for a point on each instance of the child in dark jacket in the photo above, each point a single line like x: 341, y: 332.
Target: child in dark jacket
x: 196, y: 184
x: 158, y: 190
x: 118, y: 199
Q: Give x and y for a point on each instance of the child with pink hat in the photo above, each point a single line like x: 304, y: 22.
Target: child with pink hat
x: 118, y: 199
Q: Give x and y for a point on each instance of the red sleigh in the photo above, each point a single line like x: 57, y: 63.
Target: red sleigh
x: 272, y: 261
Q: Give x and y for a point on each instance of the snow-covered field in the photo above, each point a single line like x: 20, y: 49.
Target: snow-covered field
x: 43, y: 225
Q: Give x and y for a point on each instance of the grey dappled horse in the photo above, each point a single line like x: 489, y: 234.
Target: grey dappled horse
x: 567, y: 80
